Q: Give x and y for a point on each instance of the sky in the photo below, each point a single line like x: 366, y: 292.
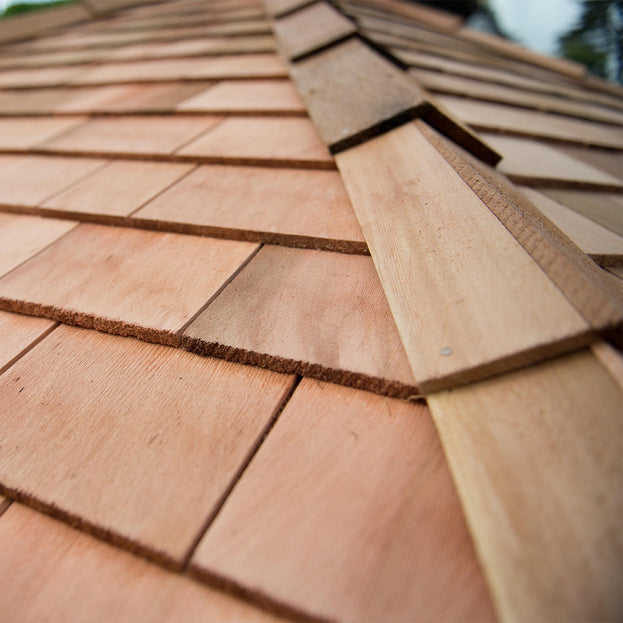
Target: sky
x: 537, y: 23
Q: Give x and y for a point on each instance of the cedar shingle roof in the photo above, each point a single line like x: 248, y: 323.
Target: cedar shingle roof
x: 279, y: 335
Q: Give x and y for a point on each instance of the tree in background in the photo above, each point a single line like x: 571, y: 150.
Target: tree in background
x: 597, y: 40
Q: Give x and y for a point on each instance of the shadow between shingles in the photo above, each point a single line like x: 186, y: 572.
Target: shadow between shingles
x: 297, y: 241
x: 377, y: 385
x: 90, y: 321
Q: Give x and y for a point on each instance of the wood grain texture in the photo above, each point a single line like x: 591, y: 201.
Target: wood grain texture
x: 523, y: 122
x: 603, y: 208
x: 297, y: 207
x: 314, y: 313
x: 439, y: 20
x: 120, y: 188
x: 29, y: 180
x: 22, y: 237
x: 607, y: 160
x: 485, y: 70
x: 536, y: 456
x: 51, y: 572
x: 276, y: 8
x: 249, y: 44
x: 131, y: 135
x: 214, y: 68
x: 579, y: 278
x: 37, y: 78
x: 261, y: 140
x: 17, y: 334
x: 23, y: 133
x: 149, y: 455
x: 128, y: 98
x: 139, y: 283
x: 352, y: 93
x: 604, y: 246
x: 530, y: 162
x: 422, y: 223
x: 310, y: 29
x: 357, y: 520
x: 483, y: 90
x: 250, y: 97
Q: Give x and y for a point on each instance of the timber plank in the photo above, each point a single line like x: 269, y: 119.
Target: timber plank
x: 311, y: 312
x: 22, y: 237
x: 128, y: 98
x: 536, y: 456
x: 580, y: 279
x: 310, y: 29
x: 483, y: 90
x: 422, y: 222
x: 120, y: 188
x: 611, y: 359
x: 262, y: 140
x: 276, y: 8
x: 149, y: 455
x: 296, y: 523
x: 29, y: 180
x: 52, y: 572
x: 194, y: 47
x: 131, y: 135
x: 251, y: 97
x: 352, y: 93
x: 45, y: 77
x: 24, y: 133
x: 146, y: 284
x: 17, y: 334
x: 532, y: 163
x: 214, y: 68
x: 604, y: 246
x: 297, y: 204
x: 607, y: 160
x: 518, y: 121
x: 603, y: 208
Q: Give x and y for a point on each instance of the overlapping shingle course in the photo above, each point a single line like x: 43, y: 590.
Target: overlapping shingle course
x: 341, y: 507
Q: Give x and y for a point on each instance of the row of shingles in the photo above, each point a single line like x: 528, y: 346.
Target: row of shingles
x: 140, y: 504
x: 585, y: 166
x: 325, y: 200
x: 430, y: 577
x: 411, y: 561
x: 256, y: 395
x: 529, y: 161
x: 325, y: 517
x: 538, y: 339
x: 334, y: 70
x: 520, y: 593
x: 324, y: 359
x: 541, y: 412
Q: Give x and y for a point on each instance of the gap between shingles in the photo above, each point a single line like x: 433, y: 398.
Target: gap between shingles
x: 279, y: 163
x: 104, y: 164
x: 295, y: 241
x: 180, y: 333
x: 4, y: 505
x: 28, y: 348
x: 40, y: 251
x: 164, y: 190
x: 153, y: 556
x: 240, y: 472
